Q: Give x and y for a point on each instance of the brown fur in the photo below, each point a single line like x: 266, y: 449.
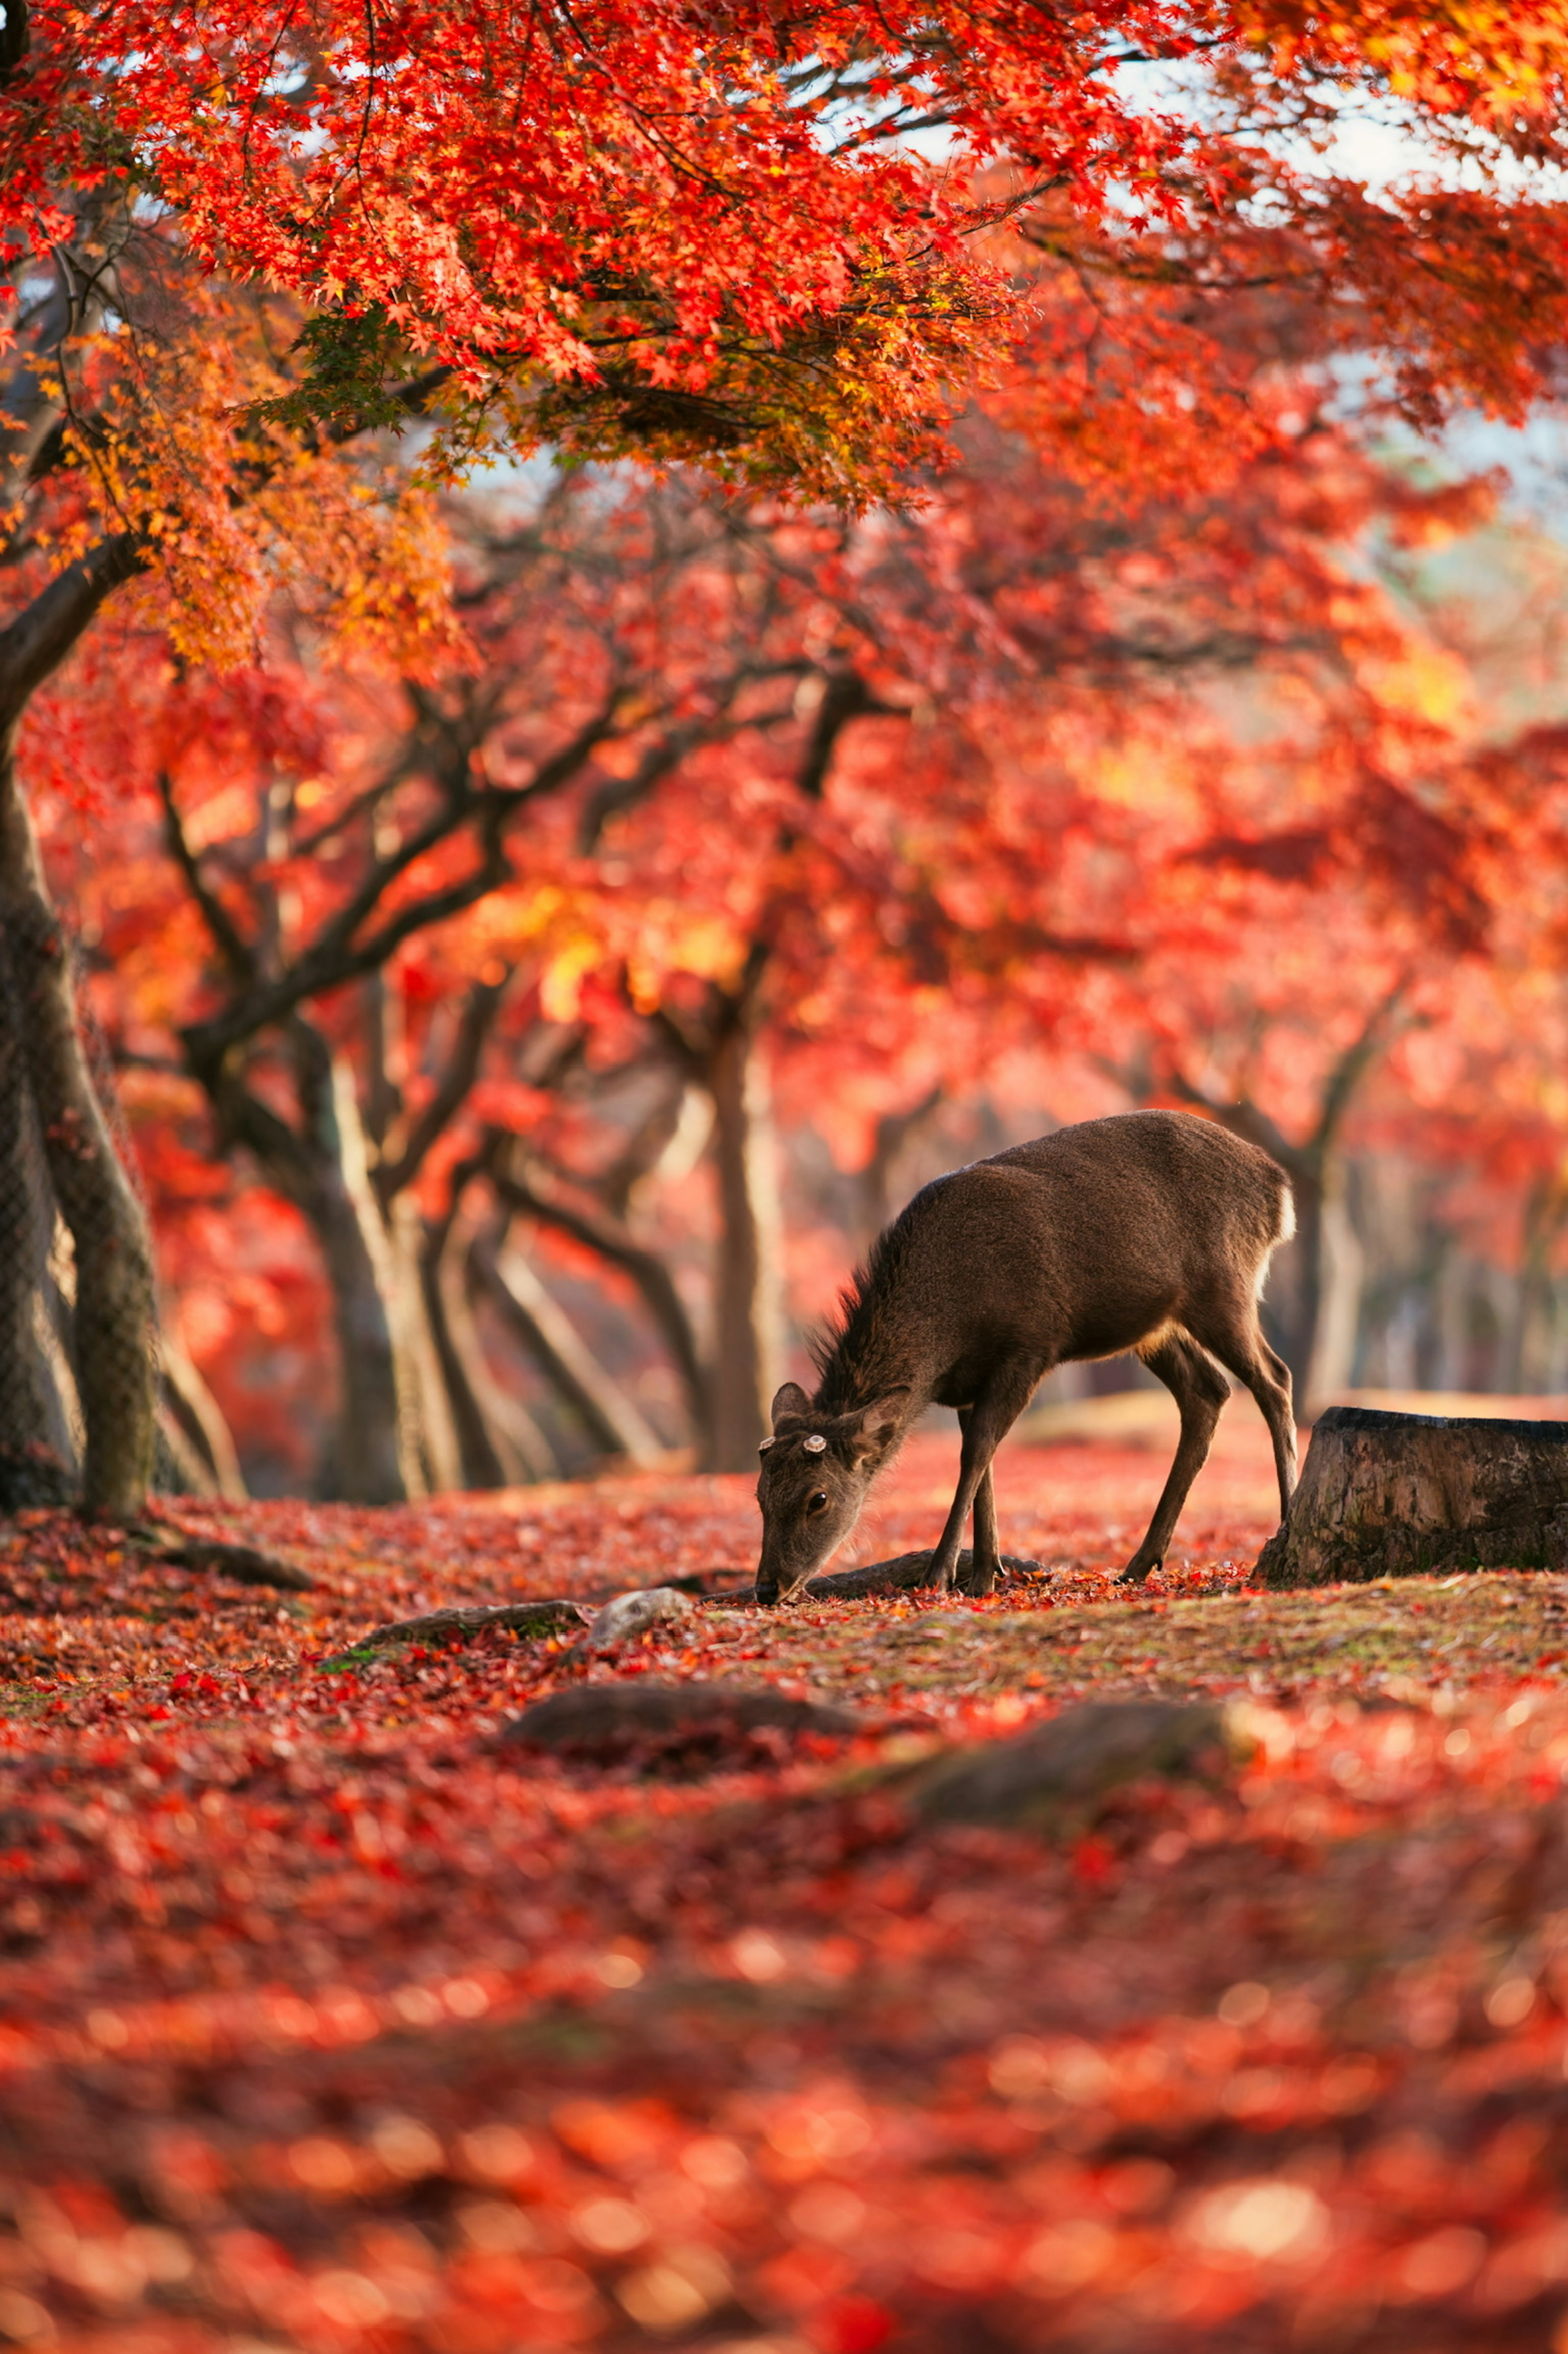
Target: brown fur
x: 1148, y: 1231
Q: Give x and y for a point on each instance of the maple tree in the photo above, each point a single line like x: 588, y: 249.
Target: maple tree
x: 769, y: 797
x: 768, y: 277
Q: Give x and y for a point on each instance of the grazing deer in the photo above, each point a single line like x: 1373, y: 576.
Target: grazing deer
x: 1150, y: 1231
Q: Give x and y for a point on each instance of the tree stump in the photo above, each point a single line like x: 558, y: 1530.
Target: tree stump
x: 1396, y: 1495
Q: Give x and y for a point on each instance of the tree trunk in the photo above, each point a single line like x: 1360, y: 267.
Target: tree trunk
x: 428, y: 1432
x: 374, y: 1419
x: 499, y: 1443
x: 894, y: 1131
x: 748, y: 1359
x: 323, y: 1172
x: 558, y: 1349
x: 1331, y: 1360
x: 115, y: 1308
x: 614, y: 1242
x: 1395, y: 1495
x: 367, y: 1460
x: 193, y: 1408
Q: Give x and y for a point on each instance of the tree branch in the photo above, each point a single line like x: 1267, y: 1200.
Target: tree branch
x: 232, y: 946
x: 390, y: 1177
x: 1352, y: 1067
x: 35, y: 644
x: 615, y: 1244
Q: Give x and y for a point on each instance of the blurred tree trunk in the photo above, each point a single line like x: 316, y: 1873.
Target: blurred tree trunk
x: 522, y: 1189
x: 427, y: 1434
x: 718, y: 1051
x: 1314, y: 1291
x: 499, y: 1443
x: 192, y: 1405
x: 894, y: 1131
x: 371, y: 1458
x: 548, y: 1335
x: 748, y: 1353
x: 319, y: 1164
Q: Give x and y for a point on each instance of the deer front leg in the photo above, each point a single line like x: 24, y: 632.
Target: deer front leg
x: 984, y: 1425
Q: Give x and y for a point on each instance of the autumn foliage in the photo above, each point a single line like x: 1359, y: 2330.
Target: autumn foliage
x: 623, y: 630
x: 332, y: 2017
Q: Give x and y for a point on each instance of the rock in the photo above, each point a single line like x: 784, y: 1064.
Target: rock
x: 1057, y: 1775
x: 906, y: 1573
x: 1399, y: 1494
x: 633, y: 1614
x: 456, y: 1626
x: 605, y: 1720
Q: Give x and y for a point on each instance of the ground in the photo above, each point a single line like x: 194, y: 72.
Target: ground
x: 330, y: 2019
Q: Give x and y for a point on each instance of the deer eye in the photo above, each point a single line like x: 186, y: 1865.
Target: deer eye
x: 817, y: 1503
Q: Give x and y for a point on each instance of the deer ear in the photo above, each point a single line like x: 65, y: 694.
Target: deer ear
x: 789, y: 1404
x: 873, y: 1429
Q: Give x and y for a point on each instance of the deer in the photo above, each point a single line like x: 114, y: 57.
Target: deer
x: 1145, y: 1231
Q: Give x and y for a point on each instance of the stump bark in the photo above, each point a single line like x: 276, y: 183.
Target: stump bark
x: 1397, y: 1495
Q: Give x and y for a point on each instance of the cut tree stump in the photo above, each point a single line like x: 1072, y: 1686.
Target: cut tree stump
x: 1397, y: 1495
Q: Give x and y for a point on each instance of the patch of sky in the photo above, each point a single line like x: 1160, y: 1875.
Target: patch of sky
x: 1377, y: 142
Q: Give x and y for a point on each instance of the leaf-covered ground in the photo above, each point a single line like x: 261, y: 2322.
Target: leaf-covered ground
x: 329, y: 2019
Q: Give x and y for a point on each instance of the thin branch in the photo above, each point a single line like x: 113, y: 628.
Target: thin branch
x: 35, y: 644
x: 231, y: 942
x: 483, y: 1003
x: 1353, y: 1064
x: 516, y: 1189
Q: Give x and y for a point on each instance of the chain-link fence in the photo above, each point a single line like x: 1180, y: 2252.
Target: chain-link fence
x: 41, y: 1435
x: 71, y: 1354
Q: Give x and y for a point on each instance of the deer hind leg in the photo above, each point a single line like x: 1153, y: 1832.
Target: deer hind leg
x: 988, y: 1554
x: 984, y: 1425
x: 1199, y: 1390
x: 1237, y: 1340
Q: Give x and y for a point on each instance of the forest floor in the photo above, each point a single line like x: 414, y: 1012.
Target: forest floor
x: 332, y: 2018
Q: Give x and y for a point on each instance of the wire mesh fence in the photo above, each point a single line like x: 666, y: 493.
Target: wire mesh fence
x: 40, y: 1424
x: 61, y: 1358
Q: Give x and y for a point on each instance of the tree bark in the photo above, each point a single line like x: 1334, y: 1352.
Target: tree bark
x: 319, y: 1164
x: 747, y: 1358
x: 1396, y: 1495
x: 428, y: 1431
x: 115, y: 1307
x: 371, y: 1465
